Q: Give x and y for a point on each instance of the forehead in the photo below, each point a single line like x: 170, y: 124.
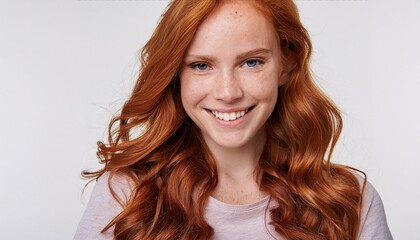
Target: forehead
x: 237, y: 22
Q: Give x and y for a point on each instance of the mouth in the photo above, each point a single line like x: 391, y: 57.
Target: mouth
x: 230, y: 116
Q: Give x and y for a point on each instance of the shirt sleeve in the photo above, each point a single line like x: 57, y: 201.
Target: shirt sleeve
x: 102, y: 208
x: 373, y: 224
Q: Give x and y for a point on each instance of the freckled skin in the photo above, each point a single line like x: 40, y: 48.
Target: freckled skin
x: 233, y: 29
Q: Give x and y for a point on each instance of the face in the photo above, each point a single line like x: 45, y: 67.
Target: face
x: 231, y: 74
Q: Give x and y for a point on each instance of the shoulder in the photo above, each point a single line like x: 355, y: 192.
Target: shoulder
x: 373, y: 223
x: 111, y: 190
x: 121, y: 185
x: 103, y: 206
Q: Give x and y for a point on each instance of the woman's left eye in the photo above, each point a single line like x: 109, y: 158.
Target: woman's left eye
x: 252, y: 63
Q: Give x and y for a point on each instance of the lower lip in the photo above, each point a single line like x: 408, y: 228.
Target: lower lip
x: 232, y: 123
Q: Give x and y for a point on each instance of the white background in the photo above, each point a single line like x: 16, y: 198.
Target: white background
x: 67, y: 66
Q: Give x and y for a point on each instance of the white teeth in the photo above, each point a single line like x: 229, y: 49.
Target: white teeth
x: 226, y: 116
x: 229, y: 116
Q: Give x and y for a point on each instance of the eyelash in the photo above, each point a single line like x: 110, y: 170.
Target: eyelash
x: 257, y: 61
x: 196, y: 66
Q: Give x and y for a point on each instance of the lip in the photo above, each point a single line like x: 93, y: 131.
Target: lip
x: 228, y: 110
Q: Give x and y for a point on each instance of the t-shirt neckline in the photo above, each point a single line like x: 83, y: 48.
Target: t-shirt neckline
x: 214, y: 203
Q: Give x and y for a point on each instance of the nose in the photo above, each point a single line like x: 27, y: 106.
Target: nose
x: 227, y: 87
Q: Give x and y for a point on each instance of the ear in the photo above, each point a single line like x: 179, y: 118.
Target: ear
x: 285, y: 75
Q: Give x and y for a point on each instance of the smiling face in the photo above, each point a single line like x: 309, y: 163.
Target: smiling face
x: 231, y: 74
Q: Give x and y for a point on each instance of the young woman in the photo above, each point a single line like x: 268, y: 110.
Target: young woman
x: 226, y: 136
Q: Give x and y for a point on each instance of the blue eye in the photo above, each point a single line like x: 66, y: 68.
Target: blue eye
x: 252, y: 63
x: 200, y: 66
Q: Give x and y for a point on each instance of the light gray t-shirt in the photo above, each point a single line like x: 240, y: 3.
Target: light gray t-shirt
x: 233, y: 222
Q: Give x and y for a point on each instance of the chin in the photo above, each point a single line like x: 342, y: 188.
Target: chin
x: 230, y: 142
x: 230, y: 145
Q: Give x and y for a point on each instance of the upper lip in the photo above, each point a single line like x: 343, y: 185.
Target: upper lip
x: 229, y: 110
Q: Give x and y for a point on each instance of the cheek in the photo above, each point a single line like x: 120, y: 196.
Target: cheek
x: 191, y: 92
x: 265, y: 87
x: 268, y: 94
x: 185, y: 97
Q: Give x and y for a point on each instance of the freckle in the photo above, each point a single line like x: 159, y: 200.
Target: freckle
x: 236, y: 12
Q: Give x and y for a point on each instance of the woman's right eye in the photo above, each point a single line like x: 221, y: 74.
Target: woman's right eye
x: 200, y: 66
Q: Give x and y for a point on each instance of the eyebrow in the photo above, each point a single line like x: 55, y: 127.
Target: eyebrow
x: 239, y: 57
x: 253, y: 52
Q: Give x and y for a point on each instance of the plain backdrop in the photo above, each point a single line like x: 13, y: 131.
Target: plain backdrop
x: 66, y: 67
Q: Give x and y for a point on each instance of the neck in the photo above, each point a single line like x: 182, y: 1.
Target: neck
x: 236, y: 171
x: 238, y: 163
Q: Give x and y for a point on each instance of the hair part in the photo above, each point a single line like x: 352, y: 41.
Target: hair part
x: 172, y: 169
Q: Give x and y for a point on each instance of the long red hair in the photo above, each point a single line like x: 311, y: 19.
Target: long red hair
x: 154, y: 143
